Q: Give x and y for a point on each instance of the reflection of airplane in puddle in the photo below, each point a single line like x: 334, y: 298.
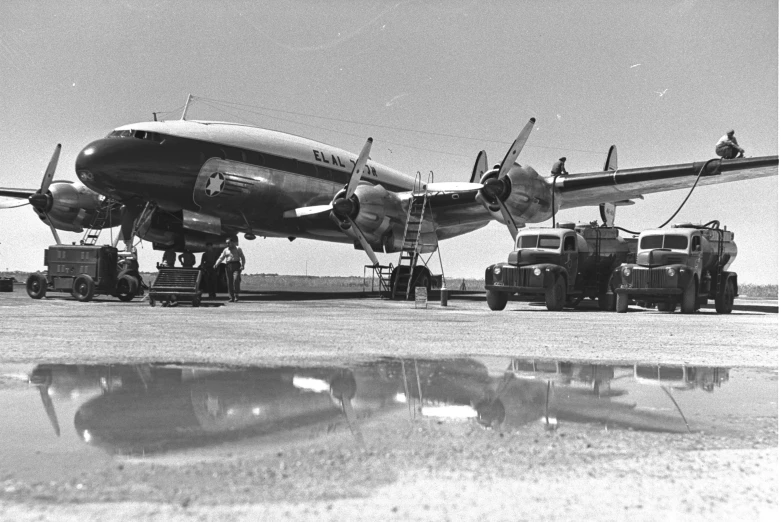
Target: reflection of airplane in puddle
x: 151, y: 408
x: 148, y: 408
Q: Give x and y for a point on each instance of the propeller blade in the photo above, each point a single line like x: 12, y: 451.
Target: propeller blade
x: 358, y: 168
x: 608, y: 210
x: 516, y: 148
x: 509, y: 220
x: 54, y: 230
x: 49, y: 173
x: 480, y: 167
x: 49, y: 407
x: 365, y: 244
x: 350, y: 416
x: 13, y: 203
x: 306, y: 211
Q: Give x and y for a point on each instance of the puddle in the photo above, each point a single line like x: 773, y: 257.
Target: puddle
x: 62, y: 420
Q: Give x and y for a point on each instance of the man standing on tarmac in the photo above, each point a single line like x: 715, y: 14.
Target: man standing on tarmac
x: 558, y: 169
x: 187, y: 259
x: 208, y: 259
x: 235, y: 262
x: 727, y: 147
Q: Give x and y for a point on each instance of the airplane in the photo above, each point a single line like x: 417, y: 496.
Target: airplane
x: 184, y: 183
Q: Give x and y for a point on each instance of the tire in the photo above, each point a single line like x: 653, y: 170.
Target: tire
x: 36, y: 286
x: 689, y: 298
x: 496, y: 300
x: 152, y: 301
x: 555, y: 296
x: 196, y: 302
x: 724, y: 303
x: 666, y: 307
x: 622, y: 303
x: 83, y: 288
x: 127, y: 286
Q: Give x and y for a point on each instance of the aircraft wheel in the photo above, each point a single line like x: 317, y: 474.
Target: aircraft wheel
x: 83, y: 288
x: 689, y: 298
x: 724, y: 303
x: 622, y: 303
x: 555, y: 296
x: 127, y: 286
x: 496, y: 300
x: 36, y: 286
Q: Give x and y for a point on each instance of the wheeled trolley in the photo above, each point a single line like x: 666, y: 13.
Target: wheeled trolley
x: 174, y: 285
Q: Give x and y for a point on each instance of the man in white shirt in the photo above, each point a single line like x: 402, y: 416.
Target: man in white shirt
x: 727, y: 147
x: 234, y: 259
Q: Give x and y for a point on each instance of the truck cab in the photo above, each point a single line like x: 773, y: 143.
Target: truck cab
x: 684, y: 265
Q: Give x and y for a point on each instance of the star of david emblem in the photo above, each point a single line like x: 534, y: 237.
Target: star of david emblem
x: 215, y: 184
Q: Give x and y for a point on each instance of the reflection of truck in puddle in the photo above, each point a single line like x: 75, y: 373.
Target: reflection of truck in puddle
x: 681, y: 377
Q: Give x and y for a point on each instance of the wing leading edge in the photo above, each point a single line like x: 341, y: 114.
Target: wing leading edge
x: 593, y: 188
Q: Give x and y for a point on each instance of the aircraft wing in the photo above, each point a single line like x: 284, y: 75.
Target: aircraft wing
x: 592, y: 188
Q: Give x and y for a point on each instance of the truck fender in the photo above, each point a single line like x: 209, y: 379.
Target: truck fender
x: 730, y: 276
x: 686, y: 275
x: 551, y: 273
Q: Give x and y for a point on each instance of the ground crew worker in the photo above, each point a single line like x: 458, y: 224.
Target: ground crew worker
x: 558, y: 169
x: 727, y: 147
x: 187, y: 259
x: 208, y: 259
x: 235, y: 262
x: 169, y: 258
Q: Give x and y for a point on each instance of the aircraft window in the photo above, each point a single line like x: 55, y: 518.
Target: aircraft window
x: 569, y: 244
x: 549, y: 242
x: 308, y: 169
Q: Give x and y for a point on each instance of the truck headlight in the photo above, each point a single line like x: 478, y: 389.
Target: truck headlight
x: 498, y: 270
x: 536, y: 271
x: 627, y: 271
x: 671, y: 272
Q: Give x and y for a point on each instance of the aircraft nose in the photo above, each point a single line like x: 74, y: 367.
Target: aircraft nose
x: 92, y: 162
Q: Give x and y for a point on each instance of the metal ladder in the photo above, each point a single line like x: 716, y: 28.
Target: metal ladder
x: 409, y: 253
x: 92, y: 234
x: 384, y: 274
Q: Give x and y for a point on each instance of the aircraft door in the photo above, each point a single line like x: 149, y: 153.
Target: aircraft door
x: 570, y: 258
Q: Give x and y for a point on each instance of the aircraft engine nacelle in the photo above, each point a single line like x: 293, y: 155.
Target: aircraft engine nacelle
x: 73, y: 207
x: 526, y: 194
x: 164, y: 230
x: 377, y: 211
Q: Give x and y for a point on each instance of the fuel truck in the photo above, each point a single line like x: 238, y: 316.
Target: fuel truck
x: 683, y: 265
x: 564, y: 265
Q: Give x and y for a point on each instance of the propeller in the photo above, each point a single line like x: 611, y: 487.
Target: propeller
x: 42, y: 200
x: 344, y: 206
x: 343, y: 388
x: 494, y: 184
x: 42, y: 380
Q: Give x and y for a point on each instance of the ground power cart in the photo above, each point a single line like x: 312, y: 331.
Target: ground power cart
x: 86, y: 271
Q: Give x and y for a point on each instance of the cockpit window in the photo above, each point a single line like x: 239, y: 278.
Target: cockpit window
x: 663, y: 241
x: 138, y: 134
x: 536, y: 241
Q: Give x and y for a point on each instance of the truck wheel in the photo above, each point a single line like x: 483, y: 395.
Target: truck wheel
x: 496, y: 300
x: 622, y: 303
x: 555, y: 296
x: 83, y: 288
x: 724, y: 303
x: 36, y: 286
x: 127, y: 286
x: 689, y: 298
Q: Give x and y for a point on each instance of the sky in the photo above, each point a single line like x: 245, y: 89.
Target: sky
x: 433, y: 82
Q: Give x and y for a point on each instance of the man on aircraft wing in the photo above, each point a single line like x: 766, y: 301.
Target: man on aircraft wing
x: 727, y: 147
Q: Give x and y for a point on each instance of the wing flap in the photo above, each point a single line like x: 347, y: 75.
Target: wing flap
x: 598, y: 187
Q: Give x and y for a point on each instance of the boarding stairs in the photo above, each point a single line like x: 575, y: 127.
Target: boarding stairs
x: 411, y: 244
x: 102, y: 218
x: 384, y: 275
